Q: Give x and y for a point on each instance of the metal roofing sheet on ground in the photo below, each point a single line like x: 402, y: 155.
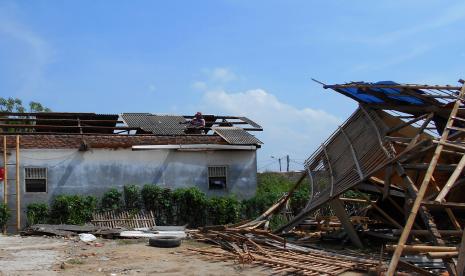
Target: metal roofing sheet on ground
x: 157, y: 124
x: 236, y: 136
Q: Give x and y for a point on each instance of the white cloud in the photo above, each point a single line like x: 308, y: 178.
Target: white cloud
x: 287, y: 129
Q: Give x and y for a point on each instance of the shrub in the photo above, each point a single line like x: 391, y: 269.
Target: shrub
x: 160, y: 201
x: 112, y: 200
x: 37, y: 213
x: 299, y: 199
x: 191, y: 206
x: 72, y: 209
x: 224, y: 210
x: 132, y: 198
x: 270, y: 188
x: 4, y: 215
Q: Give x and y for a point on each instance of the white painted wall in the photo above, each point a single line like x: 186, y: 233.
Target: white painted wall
x: 95, y: 171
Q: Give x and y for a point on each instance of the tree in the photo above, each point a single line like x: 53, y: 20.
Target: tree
x: 16, y: 105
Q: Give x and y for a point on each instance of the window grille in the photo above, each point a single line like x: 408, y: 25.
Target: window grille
x: 217, y: 177
x: 35, y: 180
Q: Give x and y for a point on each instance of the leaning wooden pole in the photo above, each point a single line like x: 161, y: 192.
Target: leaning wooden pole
x: 18, y: 189
x: 424, y: 186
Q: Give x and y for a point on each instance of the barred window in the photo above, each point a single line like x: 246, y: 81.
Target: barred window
x: 217, y: 177
x: 35, y: 180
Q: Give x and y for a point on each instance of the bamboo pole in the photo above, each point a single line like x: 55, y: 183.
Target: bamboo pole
x: 18, y: 189
x: 5, y: 180
x: 422, y: 248
x: 442, y: 255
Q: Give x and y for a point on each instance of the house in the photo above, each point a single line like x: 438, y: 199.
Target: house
x: 88, y: 153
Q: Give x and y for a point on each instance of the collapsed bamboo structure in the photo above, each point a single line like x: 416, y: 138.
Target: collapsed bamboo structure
x: 404, y: 145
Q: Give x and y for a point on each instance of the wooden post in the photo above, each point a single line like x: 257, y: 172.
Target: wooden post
x: 5, y: 180
x: 338, y: 207
x: 18, y: 189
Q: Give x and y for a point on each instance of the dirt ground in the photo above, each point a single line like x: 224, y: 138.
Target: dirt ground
x: 58, y: 256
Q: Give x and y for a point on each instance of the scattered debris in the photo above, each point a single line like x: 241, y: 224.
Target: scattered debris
x: 87, y: 237
x: 67, y: 230
x: 260, y: 247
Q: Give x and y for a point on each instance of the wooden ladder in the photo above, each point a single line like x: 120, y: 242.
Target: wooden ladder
x: 16, y: 194
x: 420, y: 193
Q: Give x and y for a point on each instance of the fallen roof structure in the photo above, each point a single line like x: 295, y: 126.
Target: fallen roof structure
x: 404, y: 143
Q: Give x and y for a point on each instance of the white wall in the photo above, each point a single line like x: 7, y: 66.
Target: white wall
x: 95, y: 171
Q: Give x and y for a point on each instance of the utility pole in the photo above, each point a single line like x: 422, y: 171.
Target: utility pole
x: 279, y: 160
x: 287, y: 159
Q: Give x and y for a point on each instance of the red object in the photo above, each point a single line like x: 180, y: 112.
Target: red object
x: 2, y: 174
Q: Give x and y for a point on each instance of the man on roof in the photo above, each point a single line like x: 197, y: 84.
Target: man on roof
x: 196, y: 125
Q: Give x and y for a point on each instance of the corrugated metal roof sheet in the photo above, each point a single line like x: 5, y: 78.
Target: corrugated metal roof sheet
x: 250, y: 122
x: 156, y: 124
x: 167, y: 124
x: 236, y: 136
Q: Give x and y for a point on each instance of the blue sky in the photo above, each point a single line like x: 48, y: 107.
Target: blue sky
x: 252, y: 58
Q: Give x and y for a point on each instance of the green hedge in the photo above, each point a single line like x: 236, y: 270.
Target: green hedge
x: 4, y: 215
x: 173, y: 207
x: 224, y: 210
x: 191, y: 206
x: 132, y: 197
x: 37, y: 213
x: 72, y: 209
x: 112, y: 200
x: 161, y: 202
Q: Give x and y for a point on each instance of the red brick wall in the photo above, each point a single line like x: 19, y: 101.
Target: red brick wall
x: 104, y: 141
